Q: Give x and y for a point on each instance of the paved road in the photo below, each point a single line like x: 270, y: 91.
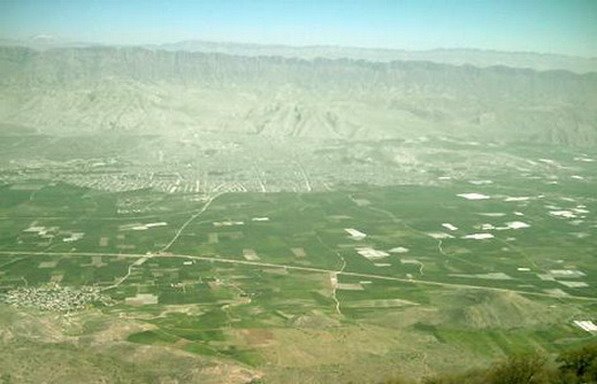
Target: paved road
x: 193, y: 217
x: 305, y: 269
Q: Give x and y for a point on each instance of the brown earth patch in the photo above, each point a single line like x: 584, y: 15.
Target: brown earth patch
x: 257, y: 337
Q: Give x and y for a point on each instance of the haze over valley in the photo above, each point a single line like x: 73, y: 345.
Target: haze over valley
x: 208, y: 212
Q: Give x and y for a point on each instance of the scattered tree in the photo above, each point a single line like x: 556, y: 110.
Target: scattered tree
x: 578, y: 366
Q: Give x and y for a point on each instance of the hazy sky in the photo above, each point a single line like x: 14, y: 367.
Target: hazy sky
x: 564, y: 26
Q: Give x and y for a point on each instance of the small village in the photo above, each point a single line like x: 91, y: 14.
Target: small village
x: 54, y: 297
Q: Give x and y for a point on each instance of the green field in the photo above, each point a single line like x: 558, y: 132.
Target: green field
x: 250, y: 273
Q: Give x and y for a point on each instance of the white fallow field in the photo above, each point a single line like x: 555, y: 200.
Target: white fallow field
x: 355, y: 234
x: 586, y: 325
x: 474, y: 196
x: 478, y: 236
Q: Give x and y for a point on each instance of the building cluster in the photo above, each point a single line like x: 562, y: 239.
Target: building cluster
x: 54, y: 298
x: 204, y: 176
x: 257, y: 164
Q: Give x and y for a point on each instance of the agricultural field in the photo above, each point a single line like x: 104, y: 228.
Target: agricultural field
x: 314, y: 286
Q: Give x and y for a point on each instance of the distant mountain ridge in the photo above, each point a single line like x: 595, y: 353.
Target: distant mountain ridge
x: 157, y: 91
x: 455, y: 56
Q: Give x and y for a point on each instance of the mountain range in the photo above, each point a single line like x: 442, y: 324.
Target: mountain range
x: 336, y: 94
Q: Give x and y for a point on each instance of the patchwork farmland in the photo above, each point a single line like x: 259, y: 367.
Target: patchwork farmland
x: 424, y: 270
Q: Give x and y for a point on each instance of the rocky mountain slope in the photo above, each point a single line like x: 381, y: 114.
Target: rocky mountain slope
x: 154, y: 91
